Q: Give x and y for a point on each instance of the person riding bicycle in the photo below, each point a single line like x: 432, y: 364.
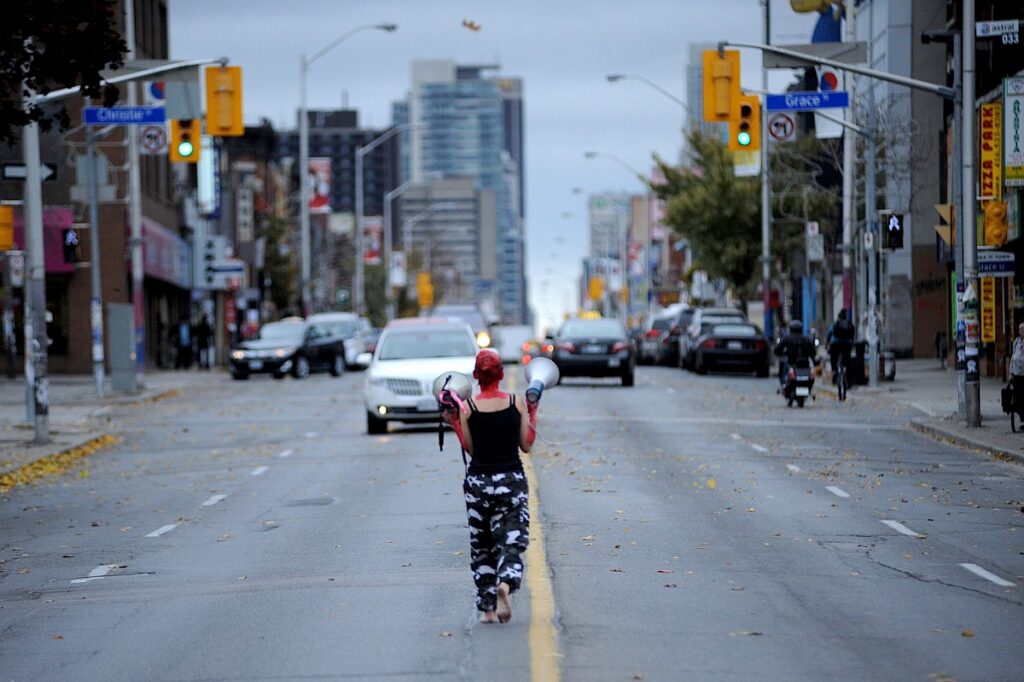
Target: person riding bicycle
x: 839, y: 341
x: 793, y: 348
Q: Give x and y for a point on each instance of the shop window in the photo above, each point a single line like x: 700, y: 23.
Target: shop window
x: 58, y: 327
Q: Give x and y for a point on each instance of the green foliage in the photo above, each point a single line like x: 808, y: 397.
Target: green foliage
x: 278, y: 265
x: 376, y: 301
x: 718, y: 213
x: 48, y: 45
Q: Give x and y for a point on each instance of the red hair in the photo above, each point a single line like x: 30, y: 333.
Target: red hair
x: 488, y: 368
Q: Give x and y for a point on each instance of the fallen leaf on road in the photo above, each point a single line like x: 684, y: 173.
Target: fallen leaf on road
x: 67, y: 556
x: 445, y: 633
x: 617, y: 570
x: 671, y: 585
x: 751, y: 509
x: 967, y: 633
x: 459, y: 553
x: 58, y: 636
x: 587, y: 538
x: 25, y: 570
x: 665, y: 570
x: 712, y: 483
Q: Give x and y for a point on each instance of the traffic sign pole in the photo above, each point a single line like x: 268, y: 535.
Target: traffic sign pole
x: 36, y: 360
x: 96, y: 311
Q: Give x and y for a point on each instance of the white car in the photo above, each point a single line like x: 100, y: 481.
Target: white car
x: 348, y: 326
x: 412, y: 353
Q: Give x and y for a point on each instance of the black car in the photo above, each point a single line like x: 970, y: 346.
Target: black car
x: 293, y: 347
x: 676, y: 329
x: 700, y: 318
x: 595, y: 348
x: 732, y: 346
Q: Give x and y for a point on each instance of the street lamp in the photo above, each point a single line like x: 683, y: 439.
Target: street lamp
x: 358, y: 295
x: 304, y: 62
x: 615, y: 77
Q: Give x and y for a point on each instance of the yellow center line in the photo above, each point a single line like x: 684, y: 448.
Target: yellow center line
x: 544, y: 654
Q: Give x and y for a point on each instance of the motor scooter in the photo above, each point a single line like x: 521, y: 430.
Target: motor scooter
x: 799, y: 383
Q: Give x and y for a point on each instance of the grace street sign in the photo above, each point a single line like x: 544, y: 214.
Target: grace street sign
x: 807, y: 101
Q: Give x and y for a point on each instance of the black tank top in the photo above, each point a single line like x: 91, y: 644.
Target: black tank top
x: 495, y: 439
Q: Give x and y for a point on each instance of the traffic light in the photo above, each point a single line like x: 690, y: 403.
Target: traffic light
x: 424, y: 290
x: 595, y: 288
x: 6, y: 228
x: 71, y: 242
x: 995, y: 223
x: 721, y: 83
x: 745, y: 125
x: 224, y: 101
x: 892, y: 230
x: 184, y: 147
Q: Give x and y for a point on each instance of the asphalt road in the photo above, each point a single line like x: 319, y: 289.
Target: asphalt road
x: 688, y: 528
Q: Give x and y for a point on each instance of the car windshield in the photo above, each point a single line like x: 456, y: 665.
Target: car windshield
x: 744, y: 330
x: 727, y: 317
x: 661, y: 323
x: 593, y: 328
x: 343, y: 328
x: 426, y: 343
x: 283, y: 331
x: 470, y: 316
x: 685, y: 318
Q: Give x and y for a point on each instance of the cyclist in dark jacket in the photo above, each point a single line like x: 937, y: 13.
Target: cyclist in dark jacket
x: 839, y: 341
x: 794, y: 348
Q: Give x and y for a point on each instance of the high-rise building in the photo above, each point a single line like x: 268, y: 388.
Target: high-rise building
x: 471, y: 125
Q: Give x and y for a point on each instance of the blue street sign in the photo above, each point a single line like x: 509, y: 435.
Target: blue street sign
x: 807, y: 101
x: 121, y: 116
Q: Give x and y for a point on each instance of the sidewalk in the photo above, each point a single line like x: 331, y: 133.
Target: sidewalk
x: 76, y: 414
x: 930, y: 393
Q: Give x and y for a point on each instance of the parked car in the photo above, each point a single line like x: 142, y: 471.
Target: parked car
x: 701, y: 317
x: 412, y: 352
x: 595, y: 348
x: 485, y: 332
x: 292, y: 346
x: 732, y: 346
x: 683, y: 316
x: 515, y: 341
x: 370, y: 339
x: 654, y: 341
x: 346, y: 326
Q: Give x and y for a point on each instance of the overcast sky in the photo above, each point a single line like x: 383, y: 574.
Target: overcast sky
x: 561, y: 49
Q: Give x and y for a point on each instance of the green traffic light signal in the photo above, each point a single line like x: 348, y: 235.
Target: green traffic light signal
x: 743, y: 138
x: 185, y: 148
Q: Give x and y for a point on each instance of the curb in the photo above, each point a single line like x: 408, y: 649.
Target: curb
x: 945, y: 435
x: 54, y: 464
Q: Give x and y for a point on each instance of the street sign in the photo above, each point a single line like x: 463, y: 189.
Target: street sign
x: 987, y: 29
x: 119, y: 116
x: 221, y: 274
x: 807, y: 101
x: 17, y: 171
x: 782, y: 127
x: 995, y: 263
x: 153, y: 139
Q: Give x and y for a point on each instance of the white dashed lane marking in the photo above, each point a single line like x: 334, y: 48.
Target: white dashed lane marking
x: 759, y: 448
x: 161, y: 530
x: 96, y: 573
x: 992, y: 577
x: 285, y: 453
x: 258, y: 471
x: 838, y: 492
x: 900, y: 528
x: 794, y: 468
x: 735, y: 436
x: 214, y: 499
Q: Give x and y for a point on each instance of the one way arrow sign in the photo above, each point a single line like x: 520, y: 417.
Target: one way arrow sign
x: 18, y: 171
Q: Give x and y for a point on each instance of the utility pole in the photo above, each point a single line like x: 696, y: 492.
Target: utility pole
x: 96, y: 309
x: 849, y: 164
x: 959, y: 222
x: 871, y: 218
x: 135, y: 213
x: 766, y: 191
x: 970, y: 271
x: 36, y: 340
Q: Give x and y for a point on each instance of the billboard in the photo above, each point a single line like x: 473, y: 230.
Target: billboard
x: 373, y: 238
x: 319, y: 178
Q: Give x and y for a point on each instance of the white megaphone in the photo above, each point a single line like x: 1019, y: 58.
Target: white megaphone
x: 540, y: 373
x: 453, y: 381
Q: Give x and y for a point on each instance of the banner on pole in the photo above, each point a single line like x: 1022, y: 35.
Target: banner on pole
x: 1013, y: 131
x: 373, y: 238
x: 990, y: 169
x: 988, y: 309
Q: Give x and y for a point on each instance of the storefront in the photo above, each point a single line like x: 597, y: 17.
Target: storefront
x: 167, y: 265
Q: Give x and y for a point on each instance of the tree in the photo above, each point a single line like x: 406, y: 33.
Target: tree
x: 718, y: 213
x: 52, y: 44
x: 278, y: 266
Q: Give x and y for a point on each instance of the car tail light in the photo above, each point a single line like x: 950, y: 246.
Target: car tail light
x: 526, y: 347
x: 710, y: 343
x: 653, y: 333
x: 761, y: 344
x: 548, y: 348
x: 526, y: 359
x: 566, y: 346
x: 619, y: 345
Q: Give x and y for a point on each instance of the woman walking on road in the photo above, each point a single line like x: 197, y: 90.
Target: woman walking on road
x: 492, y: 428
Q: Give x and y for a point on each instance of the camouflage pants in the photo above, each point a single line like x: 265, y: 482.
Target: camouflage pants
x: 499, y: 532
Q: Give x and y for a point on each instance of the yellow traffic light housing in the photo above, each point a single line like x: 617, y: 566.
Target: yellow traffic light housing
x: 595, y: 288
x: 721, y: 84
x: 995, y: 223
x: 6, y: 228
x: 184, y: 146
x: 224, y: 101
x: 745, y: 125
x: 424, y: 290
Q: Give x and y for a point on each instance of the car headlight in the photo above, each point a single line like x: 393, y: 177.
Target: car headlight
x: 284, y: 352
x: 483, y: 339
x: 237, y: 355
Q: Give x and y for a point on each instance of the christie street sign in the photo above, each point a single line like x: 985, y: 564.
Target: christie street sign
x: 120, y: 116
x: 807, y: 101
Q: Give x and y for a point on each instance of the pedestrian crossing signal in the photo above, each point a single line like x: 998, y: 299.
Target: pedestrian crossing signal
x: 892, y: 231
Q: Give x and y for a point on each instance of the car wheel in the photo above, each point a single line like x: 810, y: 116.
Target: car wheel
x: 628, y: 379
x: 698, y: 365
x: 279, y: 375
x: 763, y: 371
x: 301, y: 370
x: 337, y: 366
x: 375, y: 426
x: 240, y: 376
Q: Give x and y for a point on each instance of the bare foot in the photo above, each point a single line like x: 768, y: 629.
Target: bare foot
x: 489, y: 617
x: 504, y: 610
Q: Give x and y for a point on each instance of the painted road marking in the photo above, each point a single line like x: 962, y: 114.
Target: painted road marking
x: 735, y: 436
x: 981, y: 572
x: 543, y: 637
x: 285, y: 453
x: 838, y: 492
x: 258, y: 471
x: 759, y: 448
x: 96, y: 573
x: 900, y: 528
x: 819, y: 425
x: 311, y: 434
x: 161, y: 530
x: 793, y: 468
x: 213, y: 500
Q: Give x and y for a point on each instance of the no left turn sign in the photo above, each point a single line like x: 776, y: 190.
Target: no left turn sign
x: 782, y: 127
x: 153, y: 139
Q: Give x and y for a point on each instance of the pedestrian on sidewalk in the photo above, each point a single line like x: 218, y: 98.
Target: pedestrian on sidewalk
x: 1017, y: 368
x: 203, y: 335
x: 493, y: 427
x: 183, y: 343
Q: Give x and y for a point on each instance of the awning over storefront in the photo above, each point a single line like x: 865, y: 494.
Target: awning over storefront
x: 165, y: 255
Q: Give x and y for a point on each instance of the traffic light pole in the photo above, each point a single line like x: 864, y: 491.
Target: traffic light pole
x: 766, y: 189
x: 36, y: 341
x: 849, y: 164
x: 972, y: 388
x: 96, y: 305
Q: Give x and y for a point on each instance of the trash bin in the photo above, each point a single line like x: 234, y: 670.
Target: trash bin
x: 855, y: 373
x: 888, y: 366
